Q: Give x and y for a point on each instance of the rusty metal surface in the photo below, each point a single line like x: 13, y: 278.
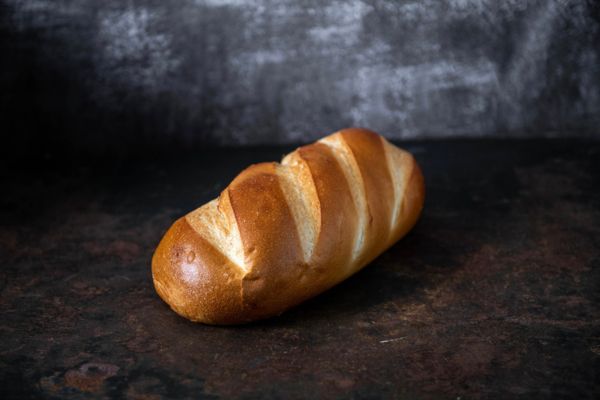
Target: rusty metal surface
x: 495, y: 294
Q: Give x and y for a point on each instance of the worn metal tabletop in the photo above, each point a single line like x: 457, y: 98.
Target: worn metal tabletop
x: 494, y: 294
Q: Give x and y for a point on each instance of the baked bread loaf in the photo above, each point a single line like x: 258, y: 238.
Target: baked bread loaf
x: 281, y: 233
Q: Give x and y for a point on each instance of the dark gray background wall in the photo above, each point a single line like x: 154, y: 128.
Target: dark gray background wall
x: 102, y: 76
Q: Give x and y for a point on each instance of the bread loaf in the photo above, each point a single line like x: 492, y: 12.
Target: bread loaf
x: 281, y: 233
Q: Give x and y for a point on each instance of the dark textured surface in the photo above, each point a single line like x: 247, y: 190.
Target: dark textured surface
x: 114, y: 76
x: 494, y: 294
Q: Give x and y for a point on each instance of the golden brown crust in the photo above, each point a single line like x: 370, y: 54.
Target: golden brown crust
x: 195, y: 279
x: 367, y: 149
x: 412, y: 204
x: 337, y: 225
x: 251, y: 254
x: 269, y: 237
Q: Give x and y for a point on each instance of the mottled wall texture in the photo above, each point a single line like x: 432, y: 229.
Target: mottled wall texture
x: 108, y: 75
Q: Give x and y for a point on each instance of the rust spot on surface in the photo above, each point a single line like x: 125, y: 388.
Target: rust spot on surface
x: 89, y: 377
